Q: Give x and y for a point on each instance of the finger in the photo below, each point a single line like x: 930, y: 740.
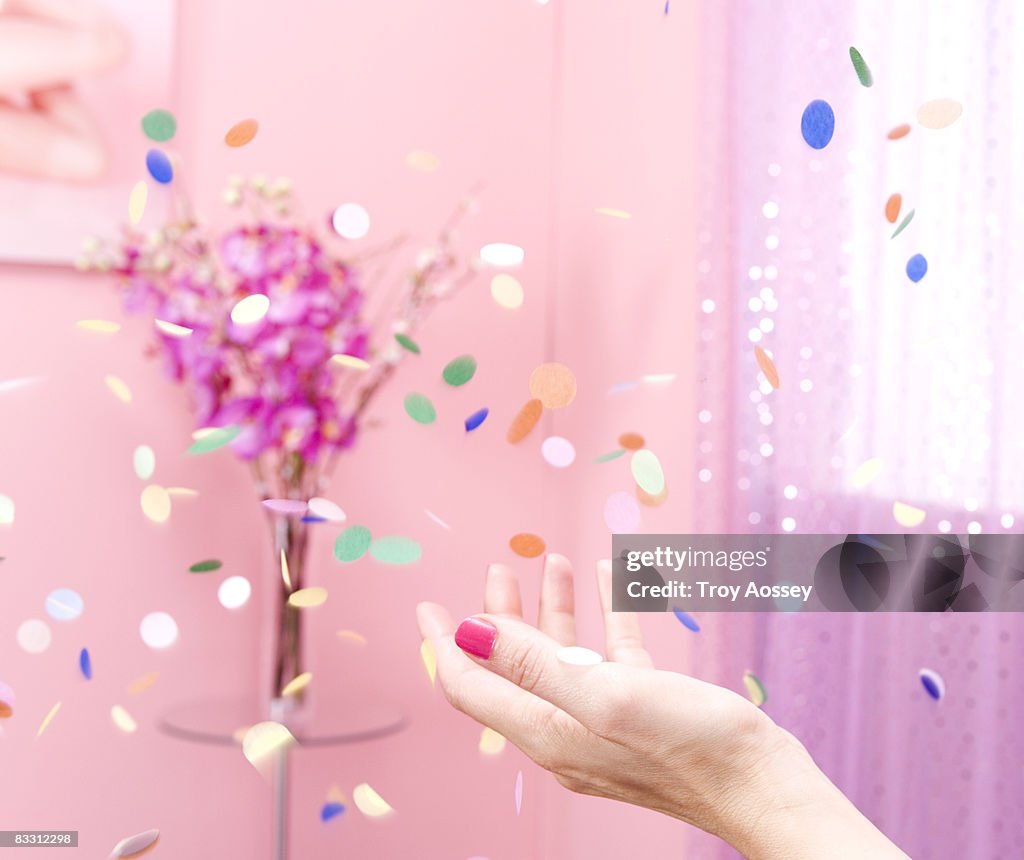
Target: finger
x: 36, y: 144
x: 623, y: 639
x: 557, y: 614
x: 501, y: 593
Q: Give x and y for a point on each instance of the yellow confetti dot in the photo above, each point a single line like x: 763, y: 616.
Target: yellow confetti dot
x: 507, y: 291
x: 553, y: 384
x: 907, y: 515
x: 866, y: 472
x: 186, y: 492
x: 615, y: 213
x: 420, y: 159
x: 308, y: 598
x: 939, y: 113
x: 352, y: 636
x: 119, y: 388
x: 123, y: 720
x: 140, y: 685
x: 172, y: 329
x: 350, y: 361
x: 100, y: 326
x: 285, y: 572
x: 264, y: 740
x: 137, y: 202
x: 156, y: 503
x: 429, y: 657
x: 491, y: 743
x: 48, y: 719
x: 368, y: 802
x: 755, y: 689
x: 250, y: 310
x: 297, y: 684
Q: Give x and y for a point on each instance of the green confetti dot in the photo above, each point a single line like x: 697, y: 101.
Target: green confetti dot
x: 419, y: 408
x: 903, y: 224
x: 206, y: 566
x: 459, y: 370
x: 408, y: 343
x: 352, y: 543
x: 861, y: 68
x: 159, y: 125
x: 611, y: 455
x: 215, y: 439
x: 395, y: 549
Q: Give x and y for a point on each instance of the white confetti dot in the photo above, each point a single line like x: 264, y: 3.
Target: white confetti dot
x: 770, y: 209
x: 351, y: 221
x: 34, y: 636
x: 158, y: 630
x: 250, y: 310
x: 6, y: 510
x: 708, y: 306
x: 234, y: 592
x: 574, y: 655
x: 1006, y: 521
x: 974, y: 527
x: 502, y: 254
x: 704, y: 416
x: 704, y: 475
x: 788, y: 524
x: 63, y: 604
x: 789, y: 491
x: 558, y: 451
x: 945, y: 525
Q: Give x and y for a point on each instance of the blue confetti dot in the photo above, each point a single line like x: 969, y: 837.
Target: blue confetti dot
x: 917, y: 267
x: 818, y: 124
x: 476, y: 419
x: 312, y: 518
x: 159, y: 166
x: 687, y: 620
x: 931, y: 687
x: 85, y: 664
x: 331, y: 810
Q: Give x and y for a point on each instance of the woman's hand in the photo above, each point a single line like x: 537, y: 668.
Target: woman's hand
x: 625, y: 731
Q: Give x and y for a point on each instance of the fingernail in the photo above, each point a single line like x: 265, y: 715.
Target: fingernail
x: 476, y: 636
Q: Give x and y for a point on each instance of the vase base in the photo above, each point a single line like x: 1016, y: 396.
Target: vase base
x: 223, y: 721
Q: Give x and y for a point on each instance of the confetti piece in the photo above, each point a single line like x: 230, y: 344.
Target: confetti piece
x: 137, y: 202
x: 241, y: 133
x: 558, y: 451
x: 622, y: 214
x: 419, y: 408
x: 459, y: 370
x: 574, y: 655
x: 647, y: 471
x: 64, y: 604
x: 939, y: 113
x: 861, y: 68
x: 137, y: 845
x: 352, y: 543
x: 123, y: 720
x: 331, y: 810
x: 187, y: 492
x: 352, y: 362
x: 892, y: 208
x: 502, y: 254
x: 99, y: 326
x: 611, y: 455
x: 817, y: 124
x: 234, y: 592
x: 308, y: 598
x: 898, y: 132
x: 526, y: 419
x: 34, y: 636
x: 476, y: 419
x: 621, y: 513
x: 519, y: 792
x: 144, y: 461
x: 506, y: 291
x: 352, y: 636
x: 118, y: 388
x: 140, y: 685
x: 652, y: 501
x: 47, y: 720
x: 904, y: 223
x: 755, y: 689
x: 491, y: 743
x: 85, y: 664
x: 250, y: 310
x: 7, y: 701
x: 429, y: 657
x: 553, y: 384
x: 407, y: 343
x: 158, y: 630
x: 206, y: 566
x: 264, y: 740
x: 297, y: 684
x: 156, y: 503
x: 436, y: 519
x: 351, y: 221
x: 658, y: 378
x: 368, y: 802
x: 395, y: 549
x: 631, y: 441
x: 159, y: 166
x: 159, y: 125
x: 917, y: 267
x: 326, y: 509
x: 866, y: 472
x: 767, y: 367
x: 932, y: 683
x: 687, y: 620
x: 420, y: 159
x: 290, y: 507
x: 172, y: 329
x: 527, y: 545
x: 907, y: 515
x: 623, y: 386
x: 14, y: 384
x: 217, y: 437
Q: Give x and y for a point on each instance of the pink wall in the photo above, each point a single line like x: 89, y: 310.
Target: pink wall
x: 560, y: 109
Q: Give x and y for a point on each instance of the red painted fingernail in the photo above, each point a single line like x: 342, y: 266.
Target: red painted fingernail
x: 476, y: 636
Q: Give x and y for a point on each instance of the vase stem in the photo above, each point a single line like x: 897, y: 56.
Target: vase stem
x: 290, y: 543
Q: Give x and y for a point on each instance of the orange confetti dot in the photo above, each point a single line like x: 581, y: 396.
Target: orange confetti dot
x: 646, y: 498
x: 631, y: 441
x: 527, y: 545
x: 898, y: 132
x: 767, y: 366
x: 241, y: 133
x: 525, y: 421
x: 553, y: 384
x: 892, y: 208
